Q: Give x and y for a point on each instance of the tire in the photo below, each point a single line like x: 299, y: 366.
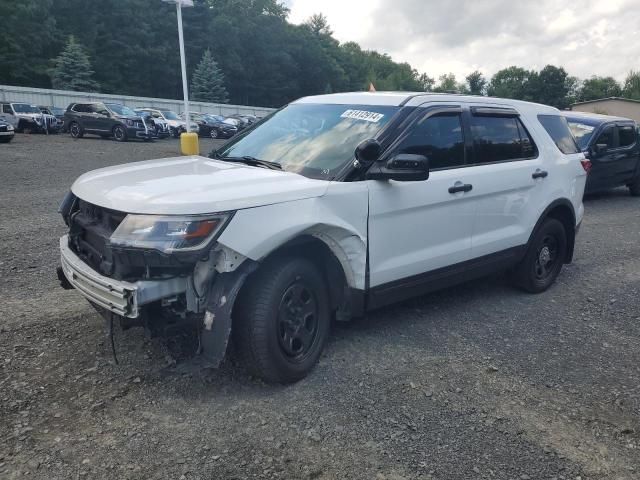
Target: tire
x: 544, y: 258
x: 119, y: 133
x: 75, y: 130
x: 634, y: 187
x: 282, y: 320
x: 213, y: 133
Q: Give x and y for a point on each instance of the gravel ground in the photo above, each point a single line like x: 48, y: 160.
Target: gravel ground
x: 480, y: 381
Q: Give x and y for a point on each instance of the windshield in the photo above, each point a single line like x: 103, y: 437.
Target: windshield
x: 312, y: 139
x: 120, y: 109
x: 25, y: 108
x: 582, y: 132
x: 169, y: 115
x: 57, y: 110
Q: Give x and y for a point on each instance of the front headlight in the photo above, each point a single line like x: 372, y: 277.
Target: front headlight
x: 9, y: 128
x: 168, y: 233
x: 130, y: 122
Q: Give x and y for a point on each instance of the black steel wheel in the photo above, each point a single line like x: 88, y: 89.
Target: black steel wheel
x: 545, y: 256
x: 282, y: 320
x: 75, y: 130
x: 120, y: 133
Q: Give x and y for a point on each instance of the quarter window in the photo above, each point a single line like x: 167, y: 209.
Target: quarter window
x: 439, y: 138
x: 558, y: 129
x: 626, y: 135
x: 497, y: 139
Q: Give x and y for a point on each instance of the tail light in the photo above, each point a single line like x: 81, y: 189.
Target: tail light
x: 586, y: 164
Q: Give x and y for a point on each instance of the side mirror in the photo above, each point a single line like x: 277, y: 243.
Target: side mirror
x: 368, y: 150
x: 599, y: 149
x: 403, y: 167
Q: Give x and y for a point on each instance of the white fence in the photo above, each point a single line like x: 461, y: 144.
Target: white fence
x: 62, y: 98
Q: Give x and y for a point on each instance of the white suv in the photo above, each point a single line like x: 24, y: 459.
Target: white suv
x: 332, y: 206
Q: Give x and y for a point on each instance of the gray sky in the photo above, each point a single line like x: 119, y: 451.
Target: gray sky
x: 586, y: 37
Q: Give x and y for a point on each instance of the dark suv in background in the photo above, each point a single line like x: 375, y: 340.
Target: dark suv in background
x: 107, y: 120
x: 612, y: 145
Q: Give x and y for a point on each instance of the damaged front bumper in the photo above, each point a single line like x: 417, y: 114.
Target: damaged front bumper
x: 119, y: 297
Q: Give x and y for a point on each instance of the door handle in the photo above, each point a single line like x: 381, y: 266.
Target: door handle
x: 540, y: 174
x: 460, y: 187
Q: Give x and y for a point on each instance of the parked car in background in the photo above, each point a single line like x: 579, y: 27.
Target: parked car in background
x: 6, y: 132
x: 176, y: 124
x: 333, y: 206
x: 213, y: 126
x: 56, y: 112
x: 107, y: 120
x: 27, y: 118
x: 160, y: 124
x: 240, y: 121
x: 612, y: 144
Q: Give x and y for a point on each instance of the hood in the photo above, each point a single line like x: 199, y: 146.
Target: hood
x: 191, y: 185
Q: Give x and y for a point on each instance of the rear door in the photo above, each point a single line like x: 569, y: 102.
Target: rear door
x: 627, y: 152
x: 421, y: 226
x: 509, y: 181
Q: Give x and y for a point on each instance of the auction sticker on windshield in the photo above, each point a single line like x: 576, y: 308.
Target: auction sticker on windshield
x: 363, y: 115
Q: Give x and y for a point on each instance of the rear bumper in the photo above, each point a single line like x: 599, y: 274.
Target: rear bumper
x: 119, y: 297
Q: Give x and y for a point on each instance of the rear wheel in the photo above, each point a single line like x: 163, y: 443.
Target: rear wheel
x: 544, y: 258
x: 120, y: 133
x: 75, y: 130
x: 282, y: 320
x: 634, y: 187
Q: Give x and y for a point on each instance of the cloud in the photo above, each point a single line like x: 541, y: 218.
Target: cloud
x: 591, y: 37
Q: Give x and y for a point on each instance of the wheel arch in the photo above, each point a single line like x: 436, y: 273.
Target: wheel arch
x: 563, y: 211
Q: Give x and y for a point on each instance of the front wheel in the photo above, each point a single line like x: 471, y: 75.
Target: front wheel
x: 282, y: 320
x: 75, y: 131
x: 544, y: 258
x: 120, y: 133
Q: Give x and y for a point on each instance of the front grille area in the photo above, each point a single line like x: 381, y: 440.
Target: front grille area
x: 90, y: 229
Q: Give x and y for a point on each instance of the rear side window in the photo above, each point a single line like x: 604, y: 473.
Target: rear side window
x: 498, y: 139
x: 558, y: 129
x: 626, y: 135
x: 439, y: 138
x: 81, y: 108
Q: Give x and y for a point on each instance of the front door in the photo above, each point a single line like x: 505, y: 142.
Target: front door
x: 421, y: 226
x: 626, y: 155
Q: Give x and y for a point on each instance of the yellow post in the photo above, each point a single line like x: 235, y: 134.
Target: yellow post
x: 189, y: 143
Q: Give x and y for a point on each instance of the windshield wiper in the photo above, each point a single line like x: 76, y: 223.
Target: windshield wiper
x: 253, y: 161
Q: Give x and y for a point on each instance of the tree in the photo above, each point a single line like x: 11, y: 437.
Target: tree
x: 599, y: 87
x: 207, y: 83
x: 72, y: 69
x: 631, y: 87
x: 319, y: 24
x: 447, y: 83
x: 511, y: 82
x: 426, y: 82
x: 549, y: 86
x: 476, y: 83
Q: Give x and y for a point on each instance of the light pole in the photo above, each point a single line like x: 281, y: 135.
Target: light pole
x: 183, y: 63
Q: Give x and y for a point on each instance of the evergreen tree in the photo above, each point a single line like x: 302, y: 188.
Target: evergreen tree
x: 72, y: 69
x: 476, y: 83
x: 207, y: 83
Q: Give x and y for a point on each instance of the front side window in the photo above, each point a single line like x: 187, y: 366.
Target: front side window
x: 81, y: 108
x: 25, y: 108
x: 169, y: 115
x: 557, y: 128
x: 315, y: 140
x: 498, y: 139
x: 7, y: 109
x: 626, y: 135
x: 439, y: 138
x: 606, y: 137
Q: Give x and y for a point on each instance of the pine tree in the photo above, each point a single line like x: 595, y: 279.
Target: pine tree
x: 207, y: 83
x: 72, y: 69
